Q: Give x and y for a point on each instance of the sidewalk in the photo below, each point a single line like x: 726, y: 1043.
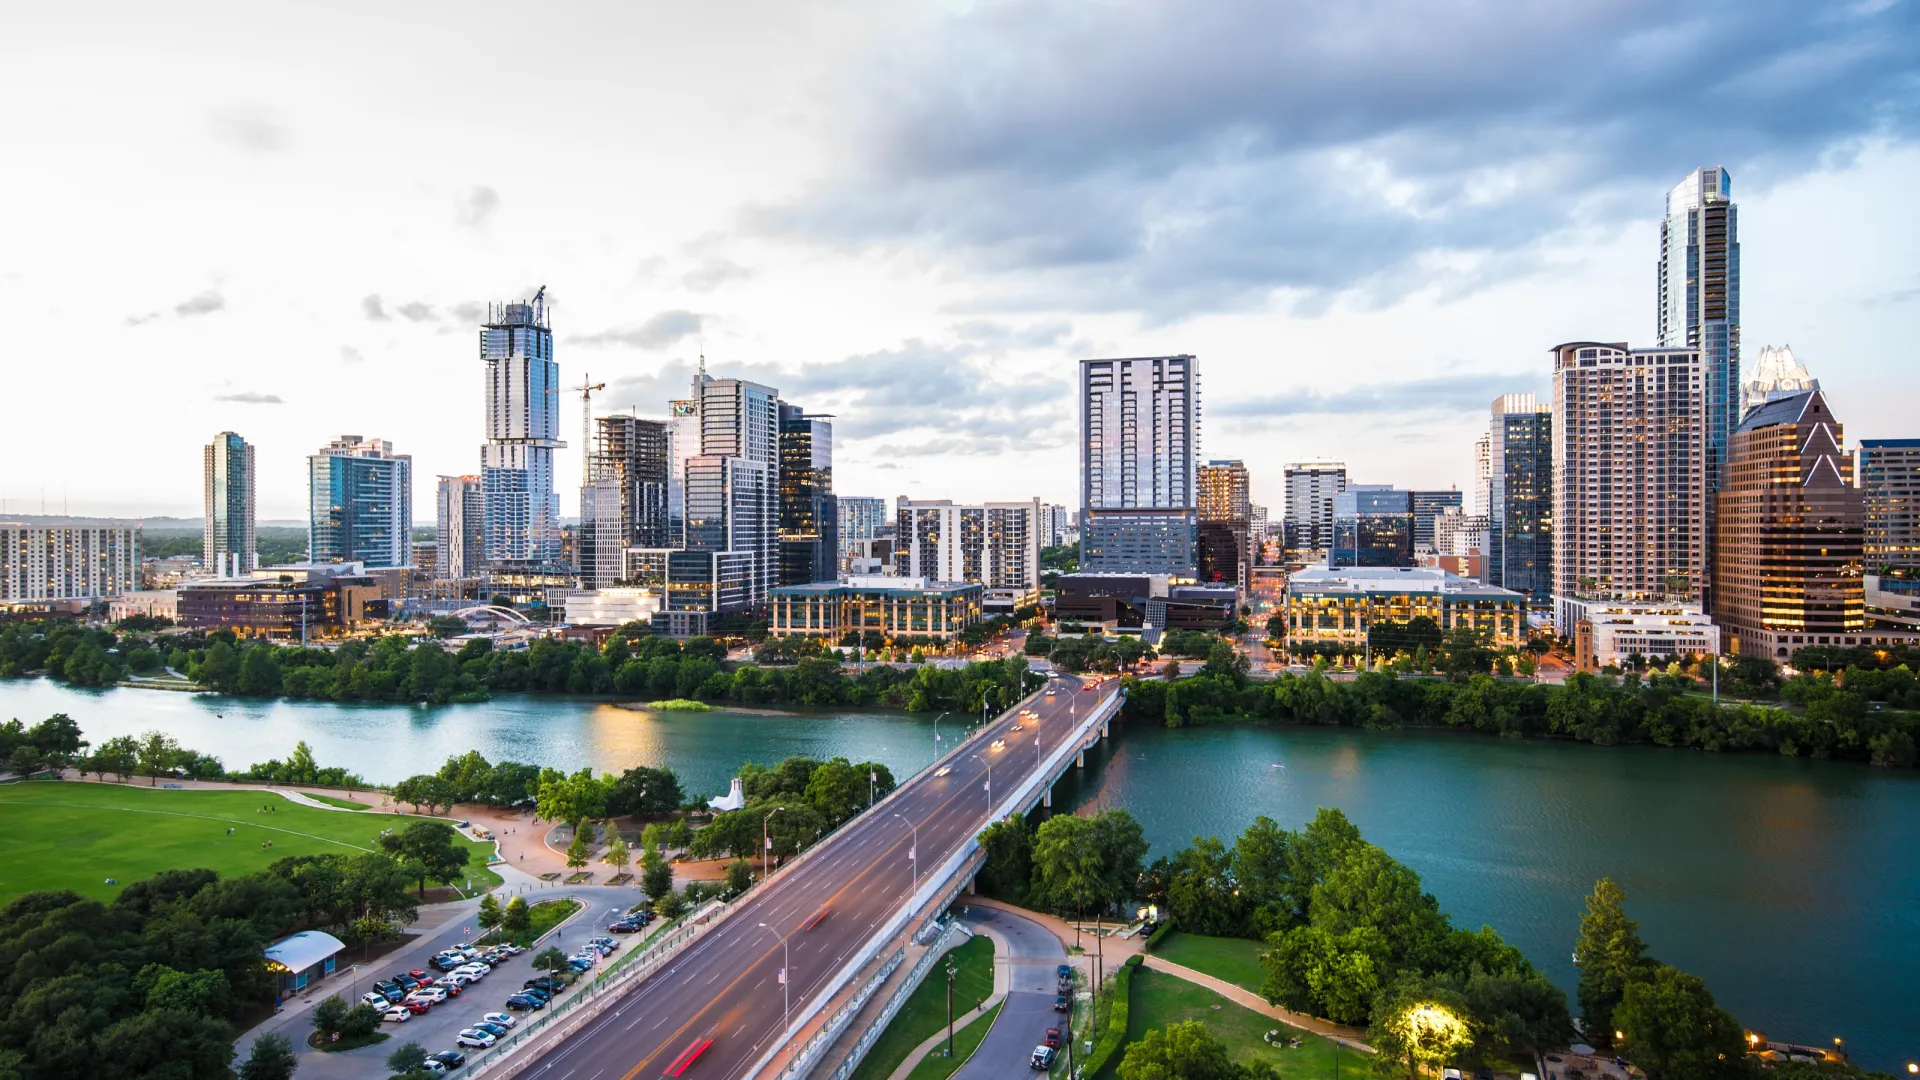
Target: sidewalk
x: 1345, y: 1036
x: 1002, y: 979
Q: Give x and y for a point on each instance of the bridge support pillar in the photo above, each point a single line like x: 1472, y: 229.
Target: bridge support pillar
x: 1046, y: 798
x: 1080, y: 760
x: 1103, y: 729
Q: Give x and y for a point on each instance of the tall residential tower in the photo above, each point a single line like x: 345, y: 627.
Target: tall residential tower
x: 523, y: 431
x: 1140, y: 436
x: 1699, y: 298
x: 227, y: 533
x: 361, y: 496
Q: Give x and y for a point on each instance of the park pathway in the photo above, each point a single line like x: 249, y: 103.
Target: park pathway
x: 1345, y: 1036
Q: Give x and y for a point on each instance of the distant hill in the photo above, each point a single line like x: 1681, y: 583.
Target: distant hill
x: 150, y: 524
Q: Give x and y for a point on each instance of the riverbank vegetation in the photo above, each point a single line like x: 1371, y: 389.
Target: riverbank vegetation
x: 792, y: 804
x: 1856, y: 716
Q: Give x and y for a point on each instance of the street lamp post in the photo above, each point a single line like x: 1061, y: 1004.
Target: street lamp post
x: 989, y: 761
x: 913, y: 853
x: 936, y: 735
x: 766, y: 845
x: 786, y: 977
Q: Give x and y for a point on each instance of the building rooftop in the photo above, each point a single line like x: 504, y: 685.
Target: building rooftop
x: 303, y: 950
x: 1781, y: 410
x: 1397, y: 579
x: 876, y: 583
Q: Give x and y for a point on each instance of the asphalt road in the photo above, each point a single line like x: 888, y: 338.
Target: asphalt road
x: 726, y: 986
x: 1033, y: 958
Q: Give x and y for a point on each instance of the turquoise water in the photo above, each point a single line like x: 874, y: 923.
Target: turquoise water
x: 1791, y: 886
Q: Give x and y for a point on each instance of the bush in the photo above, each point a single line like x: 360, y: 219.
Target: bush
x: 1112, y: 1039
x: 361, y: 1020
x: 329, y: 1015
x: 1159, y: 932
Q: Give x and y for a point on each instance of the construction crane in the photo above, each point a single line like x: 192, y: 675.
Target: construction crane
x: 586, y: 392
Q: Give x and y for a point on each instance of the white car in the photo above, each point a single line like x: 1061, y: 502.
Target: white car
x: 998, y: 744
x: 475, y: 1037
x: 432, y: 995
x: 503, y: 1019
x: 463, y: 979
x: 471, y: 971
x: 395, y: 1015
x: 944, y: 770
x: 378, y: 1001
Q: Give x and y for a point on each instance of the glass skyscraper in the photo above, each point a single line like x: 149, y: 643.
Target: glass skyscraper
x: 1520, y: 497
x: 523, y: 429
x: 361, y: 496
x: 1699, y: 282
x: 809, y: 519
x: 227, y: 533
x: 1139, y: 429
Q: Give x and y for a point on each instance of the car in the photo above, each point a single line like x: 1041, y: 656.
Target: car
x: 394, y: 1014
x: 436, y: 994
x: 498, y: 1031
x: 545, y: 982
x: 512, y: 950
x: 998, y: 744
x: 499, y: 1018
x: 390, y: 991
x: 447, y: 963
x: 1064, y: 971
x: 525, y: 1002
x: 1042, y: 1058
x: 453, y: 989
x: 406, y: 981
x: 944, y: 770
x: 1052, y: 1037
x: 579, y: 965
x: 1061, y: 1003
x: 540, y: 992
x: 476, y: 1038
x: 452, y: 1059
x: 607, y: 941
x: 461, y: 979
x: 624, y: 927
x: 474, y: 971
x: 416, y: 1006
x: 433, y: 1066
x: 378, y: 1001
x: 418, y: 974
x: 1017, y: 726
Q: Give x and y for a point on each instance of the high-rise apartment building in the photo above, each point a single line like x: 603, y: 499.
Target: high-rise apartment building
x: 1428, y: 505
x: 996, y: 545
x: 67, y: 562
x: 1140, y: 435
x: 1629, y: 476
x: 809, y: 519
x: 360, y: 500
x: 227, y: 532
x: 683, y: 443
x: 1372, y: 526
x: 599, y: 547
x: 1699, y: 298
x: 634, y: 455
x: 1307, y: 524
x: 860, y: 518
x: 1482, y: 472
x: 1257, y: 522
x: 1888, y: 472
x: 1519, y: 499
x: 1056, y: 525
x: 740, y: 419
x: 1791, y: 525
x: 1225, y: 528
x: 523, y: 431
x: 460, y: 532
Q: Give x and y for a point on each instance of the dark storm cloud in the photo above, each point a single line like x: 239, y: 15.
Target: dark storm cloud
x: 1172, y: 158
x: 250, y: 397
x: 656, y: 333
x: 202, y: 303
x: 477, y: 205
x: 1443, y: 393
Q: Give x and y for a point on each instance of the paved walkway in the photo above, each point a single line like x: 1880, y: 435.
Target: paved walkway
x: 960, y: 1022
x: 1345, y: 1036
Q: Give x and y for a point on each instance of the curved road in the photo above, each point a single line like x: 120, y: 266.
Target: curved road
x: 725, y: 987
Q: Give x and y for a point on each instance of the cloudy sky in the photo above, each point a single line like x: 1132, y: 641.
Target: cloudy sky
x: 1367, y: 219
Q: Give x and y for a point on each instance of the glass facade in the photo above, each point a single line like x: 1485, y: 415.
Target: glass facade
x: 1520, y: 497
x: 1889, y: 472
x: 227, y: 532
x: 1699, y: 302
x: 522, y: 509
x: 1307, y: 524
x: 1139, y: 425
x: 361, y: 504
x: 809, y: 519
x: 1372, y: 526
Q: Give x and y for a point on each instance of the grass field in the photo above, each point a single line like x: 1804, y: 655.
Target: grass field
x: 925, y: 1012
x: 1159, y: 999
x: 965, y: 1042
x: 75, y: 835
x: 332, y: 800
x: 1234, y: 960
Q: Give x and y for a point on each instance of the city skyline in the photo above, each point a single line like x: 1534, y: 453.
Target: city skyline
x: 1370, y: 277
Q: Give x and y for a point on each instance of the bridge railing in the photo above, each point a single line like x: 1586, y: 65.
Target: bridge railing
x: 935, y: 950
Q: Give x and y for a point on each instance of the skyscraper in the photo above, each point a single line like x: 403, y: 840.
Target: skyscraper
x: 1139, y: 426
x: 1888, y: 473
x: 599, y: 549
x: 523, y: 431
x: 741, y: 419
x: 995, y: 544
x: 1225, y: 512
x: 634, y: 456
x: 1790, y: 529
x: 1372, y: 526
x: 1482, y: 473
x: 1520, y: 497
x: 361, y: 503
x: 1428, y: 505
x: 1776, y: 374
x: 67, y: 562
x: 1699, y: 295
x: 809, y: 520
x: 227, y: 533
x: 860, y: 518
x: 1307, y: 522
x: 1629, y: 476
x: 460, y: 533
x: 683, y: 443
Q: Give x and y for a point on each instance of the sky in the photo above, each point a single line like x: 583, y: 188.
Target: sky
x: 1365, y: 219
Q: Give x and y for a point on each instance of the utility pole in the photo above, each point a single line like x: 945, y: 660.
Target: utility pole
x: 786, y: 977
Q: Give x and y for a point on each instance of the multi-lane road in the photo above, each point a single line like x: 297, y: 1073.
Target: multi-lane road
x: 726, y: 986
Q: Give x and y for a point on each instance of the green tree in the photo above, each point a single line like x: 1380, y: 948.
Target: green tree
x: 206, y: 992
x: 1421, y: 1022
x: 1182, y: 1051
x: 271, y: 1058
x: 328, y: 1015
x: 1610, y: 956
x: 516, y: 917
x: 119, y: 755
x: 361, y: 1020
x: 433, y: 847
x: 1009, y: 866
x: 550, y: 959
x: 670, y: 905
x: 578, y: 851
x: 1467, y: 652
x: 408, y: 1058
x: 157, y: 753
x: 1067, y: 868
x: 1672, y: 1028
x: 489, y: 914
x: 739, y: 877
x: 617, y: 854
x: 656, y: 875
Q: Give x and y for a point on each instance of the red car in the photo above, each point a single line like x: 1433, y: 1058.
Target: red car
x: 421, y: 974
x: 1053, y: 1038
x: 417, y: 1008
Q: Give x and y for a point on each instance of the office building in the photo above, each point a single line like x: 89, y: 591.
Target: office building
x: 1455, y: 533
x: 1520, y: 497
x: 612, y: 606
x: 1307, y: 524
x: 1372, y: 526
x: 599, y: 547
x: 1056, y: 526
x: 1699, y: 300
x: 227, y: 531
x: 1888, y: 472
x: 1791, y: 528
x: 460, y: 533
x: 732, y: 517
x: 1337, y: 605
x: 860, y: 519
x: 1139, y: 426
x: 1428, y: 505
x: 290, y: 602
x: 634, y: 455
x: 683, y: 442
x: 1614, y: 635
x: 360, y: 500
x: 1629, y: 476
x: 893, y: 607
x: 738, y: 420
x: 1482, y: 473
x: 41, y: 563
x: 1224, y: 554
x: 995, y: 545
x: 1147, y: 604
x: 522, y: 509
x: 809, y: 519
x: 1777, y: 374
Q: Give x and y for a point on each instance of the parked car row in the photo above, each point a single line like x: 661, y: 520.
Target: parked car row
x: 633, y: 923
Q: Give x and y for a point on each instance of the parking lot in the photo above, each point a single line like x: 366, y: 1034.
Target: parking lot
x: 439, y: 1027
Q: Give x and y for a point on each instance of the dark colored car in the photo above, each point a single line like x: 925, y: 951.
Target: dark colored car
x: 452, y: 1059
x: 407, y: 982
x: 544, y: 982
x: 540, y: 992
x: 1060, y: 1003
x: 525, y: 1002
x: 498, y: 1031
x: 626, y: 928
x: 445, y: 963
x: 1064, y: 971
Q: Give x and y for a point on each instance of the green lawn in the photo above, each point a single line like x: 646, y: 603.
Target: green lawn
x: 1233, y: 960
x: 925, y: 1012
x: 544, y: 917
x: 965, y: 1042
x: 75, y: 835
x: 1160, y: 999
x: 344, y: 804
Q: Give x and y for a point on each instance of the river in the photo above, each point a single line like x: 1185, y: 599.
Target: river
x: 1791, y: 886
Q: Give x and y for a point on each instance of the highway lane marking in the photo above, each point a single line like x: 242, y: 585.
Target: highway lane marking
x: 657, y: 1023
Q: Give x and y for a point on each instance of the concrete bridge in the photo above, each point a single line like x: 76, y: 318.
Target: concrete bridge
x: 764, y: 986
